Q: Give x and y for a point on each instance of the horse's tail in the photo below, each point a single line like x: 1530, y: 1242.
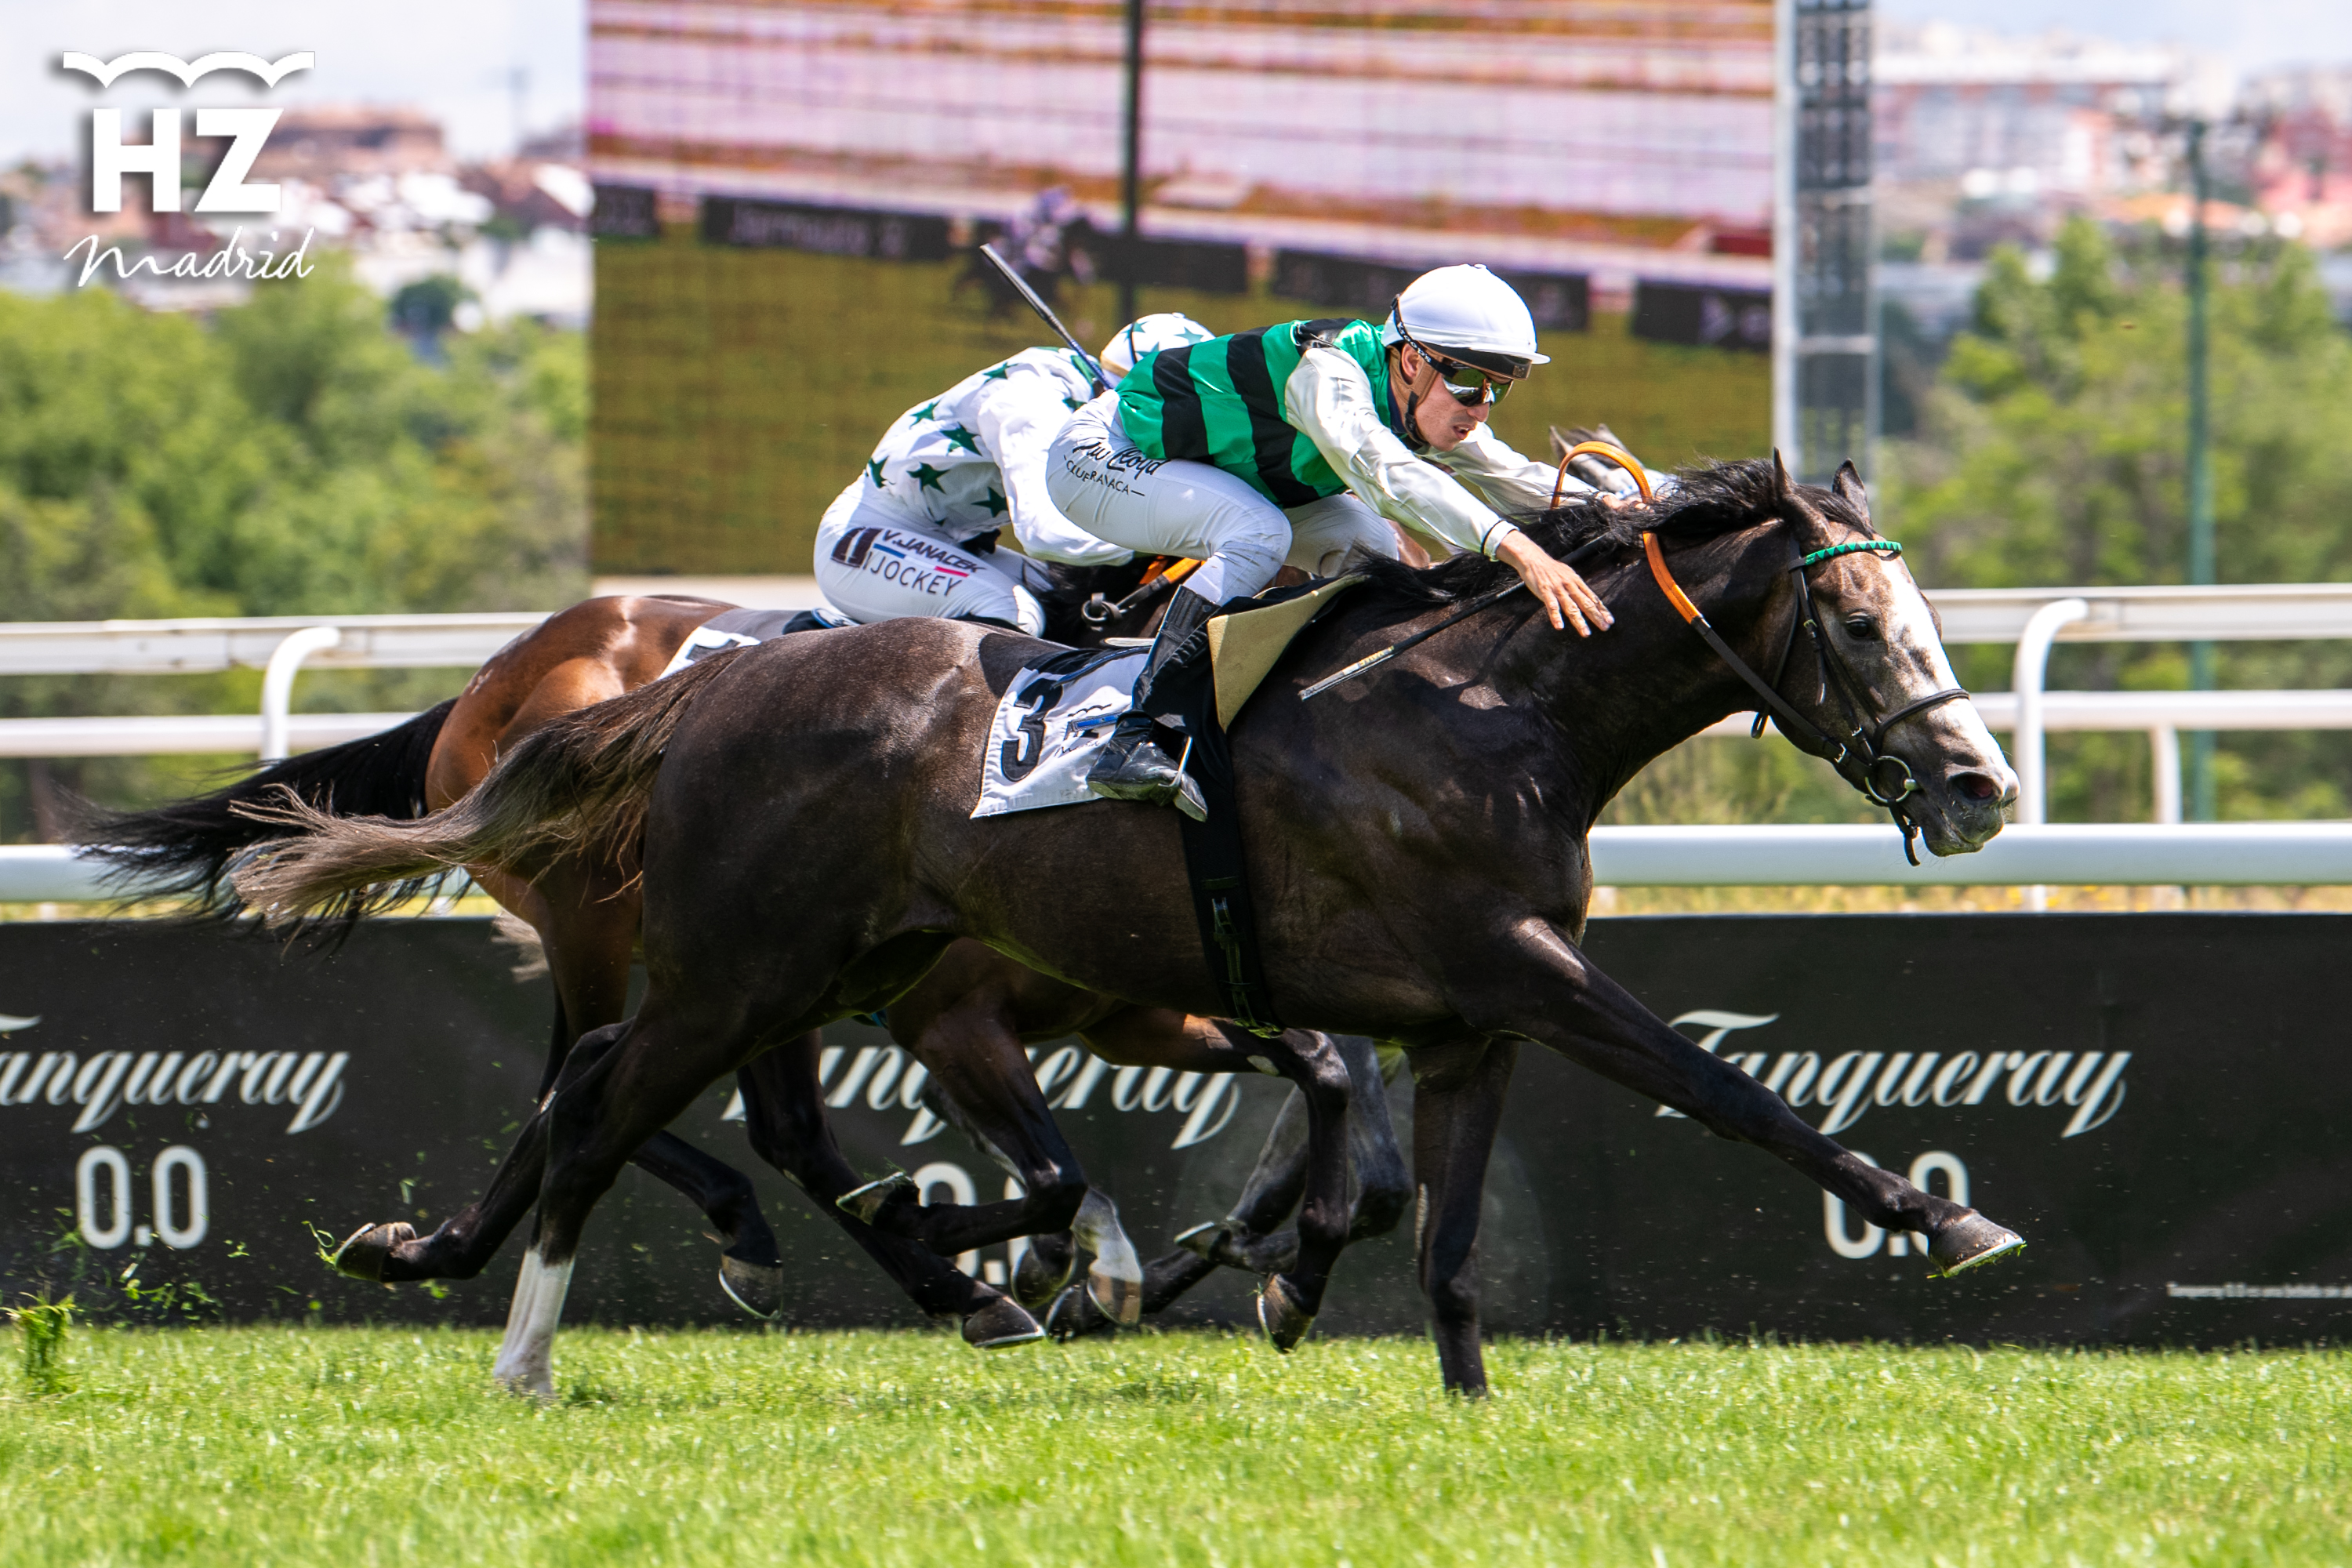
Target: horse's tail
x: 183, y: 851
x: 579, y: 782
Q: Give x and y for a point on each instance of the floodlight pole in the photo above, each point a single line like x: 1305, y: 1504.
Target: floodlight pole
x: 1825, y: 315
x: 1130, y: 181
x: 2202, y: 798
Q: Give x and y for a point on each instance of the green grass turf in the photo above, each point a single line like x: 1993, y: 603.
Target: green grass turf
x: 378, y: 1446
x: 736, y: 392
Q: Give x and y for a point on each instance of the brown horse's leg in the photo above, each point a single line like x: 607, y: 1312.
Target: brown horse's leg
x: 587, y: 912
x: 465, y: 1242
x: 1457, y: 1103
x: 783, y: 1110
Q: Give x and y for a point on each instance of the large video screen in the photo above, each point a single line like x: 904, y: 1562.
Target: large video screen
x: 790, y: 194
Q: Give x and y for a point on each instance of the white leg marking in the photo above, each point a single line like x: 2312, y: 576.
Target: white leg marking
x: 526, y: 1363
x: 1115, y: 1276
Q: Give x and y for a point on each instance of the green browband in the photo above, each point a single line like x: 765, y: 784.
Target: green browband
x: 1882, y: 546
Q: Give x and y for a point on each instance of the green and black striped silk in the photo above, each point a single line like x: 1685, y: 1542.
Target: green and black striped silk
x: 1221, y: 402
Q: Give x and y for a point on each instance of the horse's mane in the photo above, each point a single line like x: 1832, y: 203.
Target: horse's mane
x: 1707, y: 501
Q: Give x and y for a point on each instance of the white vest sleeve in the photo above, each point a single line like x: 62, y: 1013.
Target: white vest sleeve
x: 1513, y: 483
x: 1017, y: 418
x: 1329, y: 400
x: 1509, y: 483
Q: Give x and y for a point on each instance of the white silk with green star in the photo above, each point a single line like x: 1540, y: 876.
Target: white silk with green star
x: 973, y: 459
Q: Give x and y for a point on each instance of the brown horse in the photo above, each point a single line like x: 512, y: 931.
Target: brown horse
x: 966, y: 1023
x: 1419, y: 858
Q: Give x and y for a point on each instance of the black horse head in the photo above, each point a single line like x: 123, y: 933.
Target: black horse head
x: 1869, y: 676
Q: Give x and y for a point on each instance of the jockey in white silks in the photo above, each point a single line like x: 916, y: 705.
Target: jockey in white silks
x: 1294, y: 441
x: 915, y: 533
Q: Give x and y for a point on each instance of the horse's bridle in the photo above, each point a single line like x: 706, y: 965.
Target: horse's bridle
x: 1883, y: 777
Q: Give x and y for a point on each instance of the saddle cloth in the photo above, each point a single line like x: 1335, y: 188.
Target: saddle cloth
x: 1053, y: 718
x: 1050, y: 723
x: 742, y: 628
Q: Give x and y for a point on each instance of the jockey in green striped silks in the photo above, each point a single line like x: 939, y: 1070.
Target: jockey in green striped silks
x: 915, y: 533
x: 1291, y: 442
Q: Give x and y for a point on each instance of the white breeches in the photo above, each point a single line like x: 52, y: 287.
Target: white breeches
x: 875, y: 564
x: 1103, y: 482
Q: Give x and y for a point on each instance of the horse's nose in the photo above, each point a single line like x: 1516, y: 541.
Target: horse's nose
x: 1976, y: 784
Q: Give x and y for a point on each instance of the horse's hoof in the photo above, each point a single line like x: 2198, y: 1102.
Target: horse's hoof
x: 537, y: 1385
x: 363, y: 1252
x: 758, y: 1288
x: 1000, y: 1324
x: 866, y: 1202
x: 1121, y: 1301
x: 1279, y: 1314
x: 1971, y: 1242
x: 1074, y: 1315
x: 1037, y: 1279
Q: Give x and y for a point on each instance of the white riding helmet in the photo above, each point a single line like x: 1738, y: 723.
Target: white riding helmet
x: 1149, y: 335
x: 1467, y: 313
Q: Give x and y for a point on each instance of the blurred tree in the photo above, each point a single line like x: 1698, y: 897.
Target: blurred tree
x: 293, y: 457
x: 2052, y: 451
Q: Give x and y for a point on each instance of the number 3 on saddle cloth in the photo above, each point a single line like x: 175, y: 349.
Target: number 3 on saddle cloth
x: 1056, y: 714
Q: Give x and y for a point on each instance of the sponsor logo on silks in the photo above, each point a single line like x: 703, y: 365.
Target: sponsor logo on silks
x: 1849, y: 1084
x: 883, y: 1077
x: 311, y: 1082
x: 898, y: 547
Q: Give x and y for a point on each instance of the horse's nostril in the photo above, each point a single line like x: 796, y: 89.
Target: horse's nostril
x: 1976, y: 785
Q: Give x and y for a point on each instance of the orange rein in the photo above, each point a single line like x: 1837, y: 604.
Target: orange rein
x: 1608, y: 453
x: 1673, y: 590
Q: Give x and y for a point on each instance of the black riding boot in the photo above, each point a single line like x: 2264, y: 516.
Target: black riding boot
x: 1132, y: 766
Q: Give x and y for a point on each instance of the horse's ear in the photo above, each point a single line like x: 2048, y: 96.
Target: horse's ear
x: 1848, y: 485
x: 1789, y: 501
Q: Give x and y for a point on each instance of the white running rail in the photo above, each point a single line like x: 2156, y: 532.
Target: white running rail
x: 2249, y: 854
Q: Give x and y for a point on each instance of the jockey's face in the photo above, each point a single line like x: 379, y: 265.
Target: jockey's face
x: 1443, y: 420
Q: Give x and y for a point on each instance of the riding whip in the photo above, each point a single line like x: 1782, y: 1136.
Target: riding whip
x: 1013, y: 275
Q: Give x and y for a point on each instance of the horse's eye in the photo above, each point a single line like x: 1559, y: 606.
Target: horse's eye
x: 1861, y: 628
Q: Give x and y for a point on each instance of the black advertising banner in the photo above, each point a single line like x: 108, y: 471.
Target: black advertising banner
x: 1559, y: 301
x: 1702, y: 316
x: 624, y: 212
x: 1209, y: 267
x: 829, y: 231
x: 2150, y: 1098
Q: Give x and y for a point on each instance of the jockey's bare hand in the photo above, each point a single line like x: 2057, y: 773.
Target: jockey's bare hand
x: 1566, y: 598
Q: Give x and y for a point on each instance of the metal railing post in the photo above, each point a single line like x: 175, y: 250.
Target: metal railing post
x: 2025, y: 679
x: 2164, y: 760
x: 2164, y: 767
x: 277, y: 685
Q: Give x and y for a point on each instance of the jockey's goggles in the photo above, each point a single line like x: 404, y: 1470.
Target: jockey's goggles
x: 1469, y: 384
